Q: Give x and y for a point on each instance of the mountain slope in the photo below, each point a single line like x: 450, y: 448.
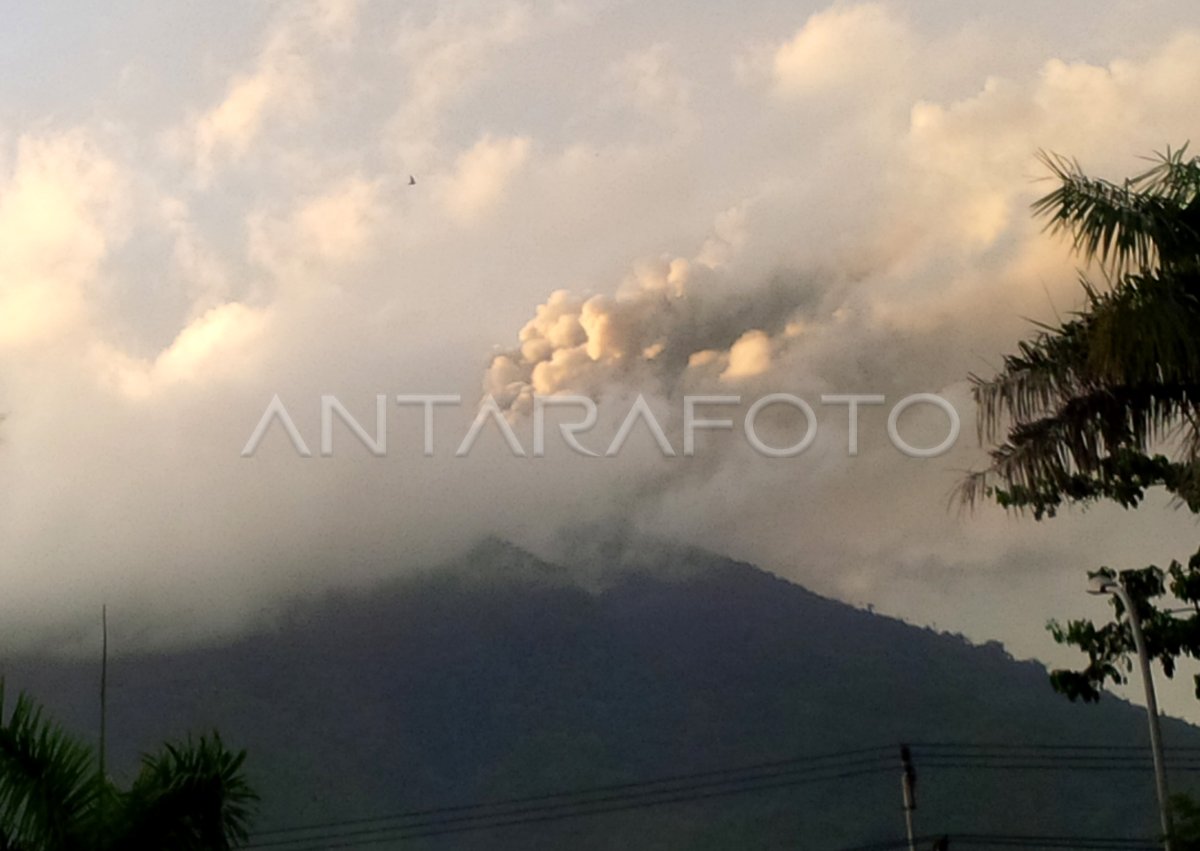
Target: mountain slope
x: 503, y: 676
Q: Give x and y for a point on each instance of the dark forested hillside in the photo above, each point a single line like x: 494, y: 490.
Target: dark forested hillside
x: 502, y: 676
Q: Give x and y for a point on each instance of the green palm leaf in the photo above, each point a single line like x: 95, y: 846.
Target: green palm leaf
x: 1083, y: 410
x: 48, y: 783
x: 193, y: 796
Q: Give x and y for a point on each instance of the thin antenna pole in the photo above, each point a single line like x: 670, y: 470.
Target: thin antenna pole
x: 908, y: 788
x: 103, y: 687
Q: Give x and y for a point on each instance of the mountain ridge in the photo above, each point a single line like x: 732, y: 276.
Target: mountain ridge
x: 503, y: 674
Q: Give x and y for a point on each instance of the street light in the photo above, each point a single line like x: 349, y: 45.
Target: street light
x: 1101, y: 584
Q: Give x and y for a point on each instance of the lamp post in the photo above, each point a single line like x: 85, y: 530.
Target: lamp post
x: 1107, y: 585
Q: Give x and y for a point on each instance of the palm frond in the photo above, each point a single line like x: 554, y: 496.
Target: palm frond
x: 48, y: 781
x: 193, y: 796
x: 1043, y: 374
x: 1119, y: 378
x: 1127, y: 225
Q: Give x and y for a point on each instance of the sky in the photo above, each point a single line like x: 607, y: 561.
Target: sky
x: 206, y: 207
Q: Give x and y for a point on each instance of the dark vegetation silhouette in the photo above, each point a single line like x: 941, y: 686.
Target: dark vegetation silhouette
x: 1106, y: 406
x: 500, y: 676
x: 190, y: 796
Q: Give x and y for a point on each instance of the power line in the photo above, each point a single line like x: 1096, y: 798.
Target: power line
x: 1098, y: 843
x: 995, y: 840
x: 714, y: 783
x: 480, y: 818
x: 1017, y: 766
x: 454, y: 825
x: 838, y: 759
x: 940, y: 759
x: 887, y: 844
x: 1043, y: 746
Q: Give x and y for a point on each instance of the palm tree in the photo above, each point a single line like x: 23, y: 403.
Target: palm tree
x: 1106, y: 404
x: 191, y: 797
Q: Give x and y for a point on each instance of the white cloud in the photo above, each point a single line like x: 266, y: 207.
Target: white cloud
x: 841, y: 47
x: 278, y: 87
x: 212, y: 348
x: 205, y: 274
x: 856, y: 221
x: 335, y: 20
x: 749, y: 356
x: 481, y: 175
x: 651, y: 82
x: 62, y: 208
x: 282, y: 87
x: 934, y: 263
x: 334, y: 228
x: 442, y: 60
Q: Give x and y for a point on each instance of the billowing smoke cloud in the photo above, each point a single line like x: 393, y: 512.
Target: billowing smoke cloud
x: 667, y: 319
x: 840, y: 195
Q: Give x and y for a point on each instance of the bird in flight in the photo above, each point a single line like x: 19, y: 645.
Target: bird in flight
x: 412, y: 181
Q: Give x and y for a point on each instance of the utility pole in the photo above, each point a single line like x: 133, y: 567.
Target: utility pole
x: 1101, y: 584
x: 103, y: 687
x: 908, y: 786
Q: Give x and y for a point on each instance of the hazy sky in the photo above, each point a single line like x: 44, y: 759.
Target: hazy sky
x: 204, y: 206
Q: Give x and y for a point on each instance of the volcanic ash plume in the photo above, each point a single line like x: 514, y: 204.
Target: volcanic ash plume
x: 668, y: 320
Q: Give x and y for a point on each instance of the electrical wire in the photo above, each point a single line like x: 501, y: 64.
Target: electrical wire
x: 729, y: 781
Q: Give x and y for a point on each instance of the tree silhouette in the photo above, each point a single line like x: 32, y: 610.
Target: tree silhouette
x: 192, y: 796
x: 1105, y: 405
